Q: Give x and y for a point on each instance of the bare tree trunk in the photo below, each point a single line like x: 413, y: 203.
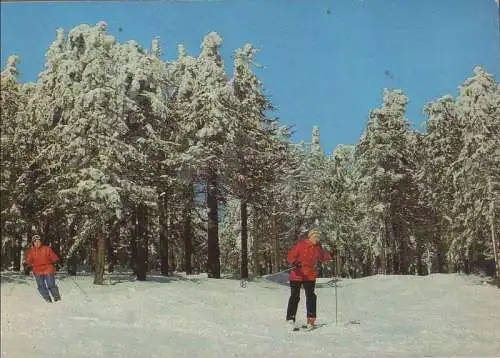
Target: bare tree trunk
x: 114, y: 236
x: 338, y: 264
x: 18, y: 246
x: 142, y: 243
x: 419, y: 253
x: 244, y: 239
x: 100, y: 258
x: 383, y: 253
x: 56, y: 230
x: 188, y: 241
x: 496, y: 254
x: 133, y: 245
x: 256, y: 257
x: 394, y: 249
x: 71, y: 264
x: 213, y: 228
x: 275, y: 251
x: 164, y: 235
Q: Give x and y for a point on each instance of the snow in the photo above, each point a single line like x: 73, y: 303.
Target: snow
x: 438, y: 315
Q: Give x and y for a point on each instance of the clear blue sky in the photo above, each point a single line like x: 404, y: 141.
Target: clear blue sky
x: 326, y: 62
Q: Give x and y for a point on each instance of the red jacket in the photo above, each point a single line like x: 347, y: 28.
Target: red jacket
x: 42, y: 259
x: 308, y: 254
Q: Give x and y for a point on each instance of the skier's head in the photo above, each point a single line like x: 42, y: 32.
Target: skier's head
x: 314, y: 236
x: 37, y: 241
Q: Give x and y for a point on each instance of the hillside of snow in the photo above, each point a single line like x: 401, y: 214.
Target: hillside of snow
x: 400, y: 316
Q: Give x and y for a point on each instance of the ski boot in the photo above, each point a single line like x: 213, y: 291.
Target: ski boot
x: 292, y: 325
x: 311, y: 323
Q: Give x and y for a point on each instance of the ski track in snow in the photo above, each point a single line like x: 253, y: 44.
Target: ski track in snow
x: 400, y: 316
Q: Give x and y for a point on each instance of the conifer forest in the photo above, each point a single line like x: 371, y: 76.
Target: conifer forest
x: 123, y: 161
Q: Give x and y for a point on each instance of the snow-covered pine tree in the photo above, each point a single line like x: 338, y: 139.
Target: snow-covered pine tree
x: 308, y: 180
x: 14, y: 125
x: 344, y: 215
x: 11, y: 102
x: 462, y: 170
x: 152, y: 130
x: 476, y: 172
x: 182, y: 191
x: 206, y: 122
x: 441, y: 142
x: 256, y: 153
x: 384, y: 156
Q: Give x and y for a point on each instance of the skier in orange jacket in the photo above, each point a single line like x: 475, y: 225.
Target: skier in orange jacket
x: 41, y: 259
x: 304, y: 256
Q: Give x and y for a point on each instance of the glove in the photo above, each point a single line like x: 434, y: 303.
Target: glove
x: 297, y: 264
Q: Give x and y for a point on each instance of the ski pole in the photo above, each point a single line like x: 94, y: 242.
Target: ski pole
x: 334, y: 281
x: 283, y: 271
x: 288, y: 269
x: 81, y: 289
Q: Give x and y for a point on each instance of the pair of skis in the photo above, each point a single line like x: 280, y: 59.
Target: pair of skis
x: 307, y: 328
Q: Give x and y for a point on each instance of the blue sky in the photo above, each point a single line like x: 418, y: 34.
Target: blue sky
x: 326, y: 62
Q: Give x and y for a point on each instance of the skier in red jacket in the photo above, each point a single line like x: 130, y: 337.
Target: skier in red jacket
x: 304, y: 256
x: 41, y: 259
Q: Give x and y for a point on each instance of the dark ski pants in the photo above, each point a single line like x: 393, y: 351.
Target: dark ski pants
x: 47, y: 284
x: 293, y: 301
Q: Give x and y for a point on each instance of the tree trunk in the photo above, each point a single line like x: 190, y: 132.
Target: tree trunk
x: 394, y: 250
x: 57, y: 229
x: 72, y: 261
x: 141, y: 243
x: 383, y: 253
x: 419, y: 253
x: 188, y: 241
x: 133, y: 245
x: 213, y: 228
x: 496, y: 254
x: 277, y: 249
x: 72, y: 264
x: 17, y: 242
x: 275, y: 258
x: 256, y: 256
x: 17, y: 246
x: 164, y: 236
x: 100, y: 258
x: 338, y: 264
x: 244, y: 239
x: 114, y: 236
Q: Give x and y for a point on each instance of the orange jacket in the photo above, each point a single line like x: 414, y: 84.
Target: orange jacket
x: 42, y: 259
x: 308, y: 255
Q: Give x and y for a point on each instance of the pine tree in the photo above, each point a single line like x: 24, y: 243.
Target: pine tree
x: 383, y: 154
x: 462, y: 172
x: 253, y: 144
x: 207, y: 120
x: 14, y: 126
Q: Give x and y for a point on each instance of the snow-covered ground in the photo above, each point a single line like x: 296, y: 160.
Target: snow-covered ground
x: 437, y: 315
